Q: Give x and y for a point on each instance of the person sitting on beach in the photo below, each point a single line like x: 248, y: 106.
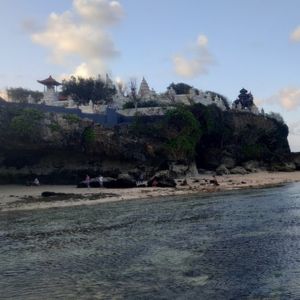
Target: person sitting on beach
x: 154, y: 182
x: 87, y: 180
x: 100, y: 178
x: 36, y: 182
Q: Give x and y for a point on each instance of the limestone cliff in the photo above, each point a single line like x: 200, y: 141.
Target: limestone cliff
x: 239, y: 136
x: 63, y: 148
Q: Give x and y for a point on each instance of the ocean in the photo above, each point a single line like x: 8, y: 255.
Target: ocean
x: 233, y: 245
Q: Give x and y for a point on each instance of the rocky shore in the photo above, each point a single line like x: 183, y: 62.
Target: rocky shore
x: 17, y: 197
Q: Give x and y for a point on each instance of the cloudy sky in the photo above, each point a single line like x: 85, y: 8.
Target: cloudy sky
x: 212, y: 45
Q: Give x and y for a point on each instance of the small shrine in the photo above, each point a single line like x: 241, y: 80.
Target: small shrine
x: 144, y: 91
x: 49, y: 83
x: 50, y: 90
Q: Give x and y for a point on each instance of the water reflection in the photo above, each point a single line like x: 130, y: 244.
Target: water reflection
x: 241, y: 245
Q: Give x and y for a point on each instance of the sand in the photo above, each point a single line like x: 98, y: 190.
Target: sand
x: 17, y: 197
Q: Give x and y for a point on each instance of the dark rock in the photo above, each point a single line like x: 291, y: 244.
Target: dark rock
x: 109, y: 182
x: 238, y: 170
x: 162, y: 179
x: 52, y: 194
x: 183, y: 170
x: 295, y: 158
x: 126, y: 181
x: 283, y: 167
x: 82, y: 184
x: 228, y: 162
x: 222, y: 170
x: 214, y: 181
x: 251, y: 166
x: 123, y: 181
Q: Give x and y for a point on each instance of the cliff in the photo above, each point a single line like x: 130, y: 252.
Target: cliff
x: 63, y: 148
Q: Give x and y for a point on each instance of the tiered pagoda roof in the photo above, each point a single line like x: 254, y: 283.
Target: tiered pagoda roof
x: 49, y: 81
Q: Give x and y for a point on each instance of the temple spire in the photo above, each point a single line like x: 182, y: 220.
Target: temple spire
x: 144, y: 90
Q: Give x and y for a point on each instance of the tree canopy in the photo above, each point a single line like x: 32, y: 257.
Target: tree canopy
x: 21, y: 95
x: 82, y: 90
x: 183, y: 132
x: 180, y: 88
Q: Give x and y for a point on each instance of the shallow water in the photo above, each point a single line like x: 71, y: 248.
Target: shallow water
x: 237, y: 245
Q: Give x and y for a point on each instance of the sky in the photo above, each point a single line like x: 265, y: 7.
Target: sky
x: 214, y: 45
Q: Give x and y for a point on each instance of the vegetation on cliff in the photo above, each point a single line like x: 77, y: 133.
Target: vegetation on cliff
x: 83, y: 90
x: 64, y: 143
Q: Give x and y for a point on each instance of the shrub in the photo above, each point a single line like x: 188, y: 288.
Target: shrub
x: 71, y: 118
x: 27, y: 123
x: 89, y: 136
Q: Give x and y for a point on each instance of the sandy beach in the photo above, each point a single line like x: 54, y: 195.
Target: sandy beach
x: 17, y: 197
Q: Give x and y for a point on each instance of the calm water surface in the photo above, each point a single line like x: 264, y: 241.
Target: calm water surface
x: 238, y: 245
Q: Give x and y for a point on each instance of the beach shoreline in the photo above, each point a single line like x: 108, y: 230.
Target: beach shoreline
x: 17, y: 197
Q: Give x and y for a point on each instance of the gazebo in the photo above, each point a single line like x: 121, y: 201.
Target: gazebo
x: 49, y: 83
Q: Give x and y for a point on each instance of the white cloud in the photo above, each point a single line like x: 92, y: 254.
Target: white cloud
x: 82, y: 34
x: 198, y: 64
x: 202, y: 40
x: 99, y: 11
x: 295, y: 35
x: 288, y: 98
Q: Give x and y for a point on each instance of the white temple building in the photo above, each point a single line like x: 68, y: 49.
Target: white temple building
x: 167, y: 99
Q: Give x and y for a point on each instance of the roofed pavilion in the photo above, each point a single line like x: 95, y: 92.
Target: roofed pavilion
x: 50, y: 83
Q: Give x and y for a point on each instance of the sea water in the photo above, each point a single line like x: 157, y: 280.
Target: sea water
x: 235, y: 245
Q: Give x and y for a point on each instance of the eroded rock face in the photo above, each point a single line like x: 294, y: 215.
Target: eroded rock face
x: 233, y: 138
x: 238, y: 170
x: 222, y: 170
x: 62, y: 149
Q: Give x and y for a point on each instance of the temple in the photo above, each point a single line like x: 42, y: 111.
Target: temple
x: 50, y: 90
x: 169, y: 98
x: 144, y: 91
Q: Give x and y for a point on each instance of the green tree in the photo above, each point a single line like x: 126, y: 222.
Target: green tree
x: 180, y: 88
x: 182, y: 131
x: 83, y: 90
x: 21, y: 95
x: 27, y: 123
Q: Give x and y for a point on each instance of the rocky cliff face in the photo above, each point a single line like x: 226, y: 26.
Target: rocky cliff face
x: 233, y: 138
x: 63, y: 148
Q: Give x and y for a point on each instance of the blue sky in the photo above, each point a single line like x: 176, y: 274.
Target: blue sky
x: 212, y: 45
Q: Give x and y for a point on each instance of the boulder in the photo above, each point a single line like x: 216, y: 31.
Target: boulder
x: 228, y: 162
x: 222, y: 170
x: 296, y: 159
x: 251, y: 166
x: 82, y: 184
x: 192, y: 170
x: 52, y: 194
x: 178, y: 170
x: 238, y: 170
x: 283, y: 167
x: 125, y: 181
x: 162, y: 179
x: 109, y: 182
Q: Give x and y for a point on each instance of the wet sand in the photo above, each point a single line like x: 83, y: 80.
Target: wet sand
x: 17, y: 197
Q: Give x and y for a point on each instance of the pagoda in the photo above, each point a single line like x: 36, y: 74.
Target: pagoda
x: 144, y: 91
x: 50, y: 83
x: 50, y: 90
